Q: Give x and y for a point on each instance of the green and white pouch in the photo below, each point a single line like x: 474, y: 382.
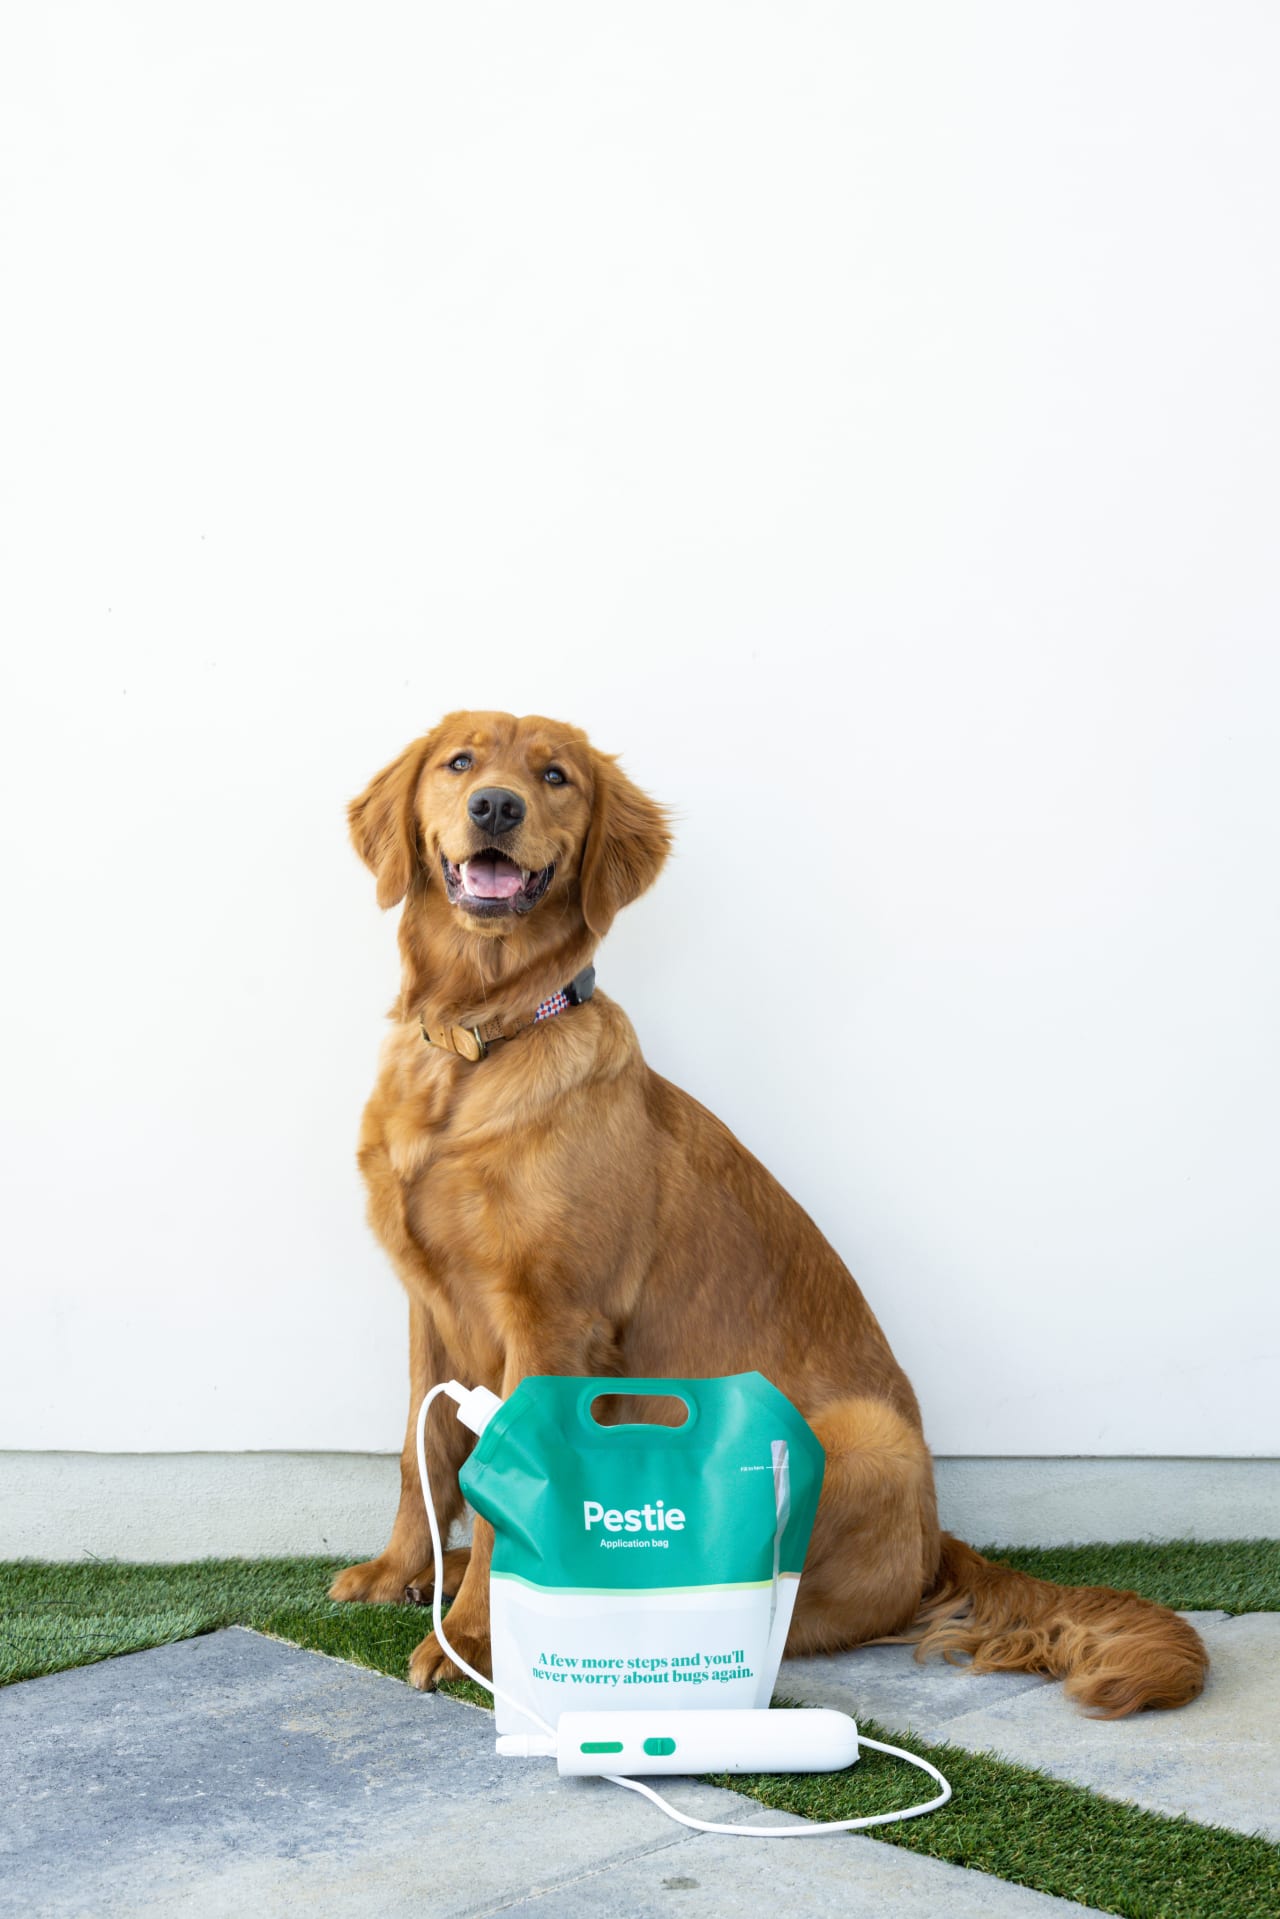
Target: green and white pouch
x: 642, y: 1565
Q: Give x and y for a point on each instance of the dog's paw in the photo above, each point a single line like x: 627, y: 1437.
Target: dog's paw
x: 430, y: 1664
x: 418, y: 1591
x: 377, y: 1582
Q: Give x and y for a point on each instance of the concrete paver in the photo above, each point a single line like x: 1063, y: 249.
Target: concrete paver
x: 1217, y: 1760
x: 233, y: 1774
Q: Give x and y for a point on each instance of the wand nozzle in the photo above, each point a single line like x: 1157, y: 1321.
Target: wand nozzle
x: 808, y: 1739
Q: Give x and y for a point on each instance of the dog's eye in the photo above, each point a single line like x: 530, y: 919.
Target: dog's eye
x: 554, y: 777
x: 460, y: 762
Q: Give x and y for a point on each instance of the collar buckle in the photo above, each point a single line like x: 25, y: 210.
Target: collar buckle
x: 468, y: 1042
x: 467, y: 1038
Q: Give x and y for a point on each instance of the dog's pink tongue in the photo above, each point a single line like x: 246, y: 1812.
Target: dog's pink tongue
x: 493, y: 879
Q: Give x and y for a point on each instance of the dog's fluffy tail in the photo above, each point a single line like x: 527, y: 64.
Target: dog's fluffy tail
x: 1116, y: 1651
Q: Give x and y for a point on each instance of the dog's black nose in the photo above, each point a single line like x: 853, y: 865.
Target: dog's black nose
x: 496, y: 809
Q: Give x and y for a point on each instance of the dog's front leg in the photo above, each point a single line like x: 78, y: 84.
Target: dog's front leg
x: 468, y: 1627
x: 564, y: 1352
x: 407, y: 1558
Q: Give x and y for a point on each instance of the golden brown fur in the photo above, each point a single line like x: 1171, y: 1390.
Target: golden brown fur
x: 559, y: 1208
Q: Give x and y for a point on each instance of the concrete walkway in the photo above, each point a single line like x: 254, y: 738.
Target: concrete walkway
x: 232, y: 1774
x: 1217, y: 1760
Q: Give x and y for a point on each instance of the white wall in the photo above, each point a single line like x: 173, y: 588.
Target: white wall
x: 862, y: 417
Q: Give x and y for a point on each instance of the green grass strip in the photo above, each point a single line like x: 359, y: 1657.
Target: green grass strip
x: 1191, y: 1575
x: 54, y: 1615
x: 1005, y: 1820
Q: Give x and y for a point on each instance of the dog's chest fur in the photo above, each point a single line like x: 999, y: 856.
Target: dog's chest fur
x: 468, y: 1188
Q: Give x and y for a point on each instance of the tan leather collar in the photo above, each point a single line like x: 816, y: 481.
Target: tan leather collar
x: 473, y: 1042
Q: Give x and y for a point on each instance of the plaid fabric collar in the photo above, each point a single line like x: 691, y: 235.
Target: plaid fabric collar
x: 550, y: 1007
x: 473, y: 1042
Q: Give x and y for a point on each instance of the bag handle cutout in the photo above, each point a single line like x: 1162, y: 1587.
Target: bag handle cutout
x: 663, y: 1411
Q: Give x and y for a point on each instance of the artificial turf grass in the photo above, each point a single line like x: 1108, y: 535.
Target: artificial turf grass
x: 1005, y: 1820
x: 59, y: 1614
x: 1191, y: 1575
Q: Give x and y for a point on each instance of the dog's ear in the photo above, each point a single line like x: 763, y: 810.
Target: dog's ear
x: 384, y: 827
x: 627, y: 842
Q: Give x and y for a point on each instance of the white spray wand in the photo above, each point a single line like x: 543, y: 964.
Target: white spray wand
x: 806, y: 1739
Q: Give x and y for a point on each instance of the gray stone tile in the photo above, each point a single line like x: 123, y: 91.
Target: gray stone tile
x: 887, y: 1683
x: 233, y: 1774
x: 1217, y: 1760
x: 844, y: 1876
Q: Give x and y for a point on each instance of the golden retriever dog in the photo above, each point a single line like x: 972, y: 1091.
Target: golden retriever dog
x: 554, y: 1206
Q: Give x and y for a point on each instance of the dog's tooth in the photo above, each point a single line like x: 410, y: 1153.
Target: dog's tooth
x: 524, y: 875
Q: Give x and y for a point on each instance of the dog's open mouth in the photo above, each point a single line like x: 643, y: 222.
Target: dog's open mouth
x: 490, y: 884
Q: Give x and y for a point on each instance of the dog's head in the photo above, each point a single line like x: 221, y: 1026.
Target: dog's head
x: 507, y: 825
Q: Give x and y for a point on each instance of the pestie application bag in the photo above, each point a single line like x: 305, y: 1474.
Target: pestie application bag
x: 641, y: 1565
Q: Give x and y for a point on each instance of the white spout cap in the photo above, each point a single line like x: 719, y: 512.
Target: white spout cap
x: 476, y: 1404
